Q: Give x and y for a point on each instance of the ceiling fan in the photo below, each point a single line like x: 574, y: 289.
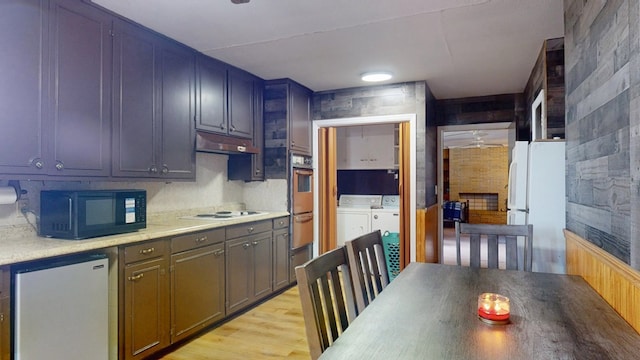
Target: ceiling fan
x: 471, y: 139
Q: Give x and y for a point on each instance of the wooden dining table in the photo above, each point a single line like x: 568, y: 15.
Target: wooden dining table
x: 430, y: 311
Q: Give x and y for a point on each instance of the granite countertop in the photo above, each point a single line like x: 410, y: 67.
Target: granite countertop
x: 28, y: 248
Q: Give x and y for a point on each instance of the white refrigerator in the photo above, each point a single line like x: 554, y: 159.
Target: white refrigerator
x: 536, y: 195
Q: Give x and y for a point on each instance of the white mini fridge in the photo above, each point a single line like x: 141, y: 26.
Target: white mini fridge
x: 61, y: 310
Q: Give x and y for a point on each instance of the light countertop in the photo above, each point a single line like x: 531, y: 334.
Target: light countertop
x: 28, y: 248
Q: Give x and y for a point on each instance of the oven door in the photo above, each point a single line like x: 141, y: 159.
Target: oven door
x: 302, y: 232
x: 302, y: 191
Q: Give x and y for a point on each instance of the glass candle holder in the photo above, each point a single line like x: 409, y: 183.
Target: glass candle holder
x: 493, y: 308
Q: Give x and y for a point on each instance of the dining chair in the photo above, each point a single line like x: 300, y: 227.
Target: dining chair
x: 368, y: 267
x: 494, y: 233
x: 327, y: 298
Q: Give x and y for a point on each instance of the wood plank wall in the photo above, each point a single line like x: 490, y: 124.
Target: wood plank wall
x: 615, y: 281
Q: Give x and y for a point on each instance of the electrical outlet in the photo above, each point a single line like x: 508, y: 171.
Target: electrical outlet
x: 22, y: 205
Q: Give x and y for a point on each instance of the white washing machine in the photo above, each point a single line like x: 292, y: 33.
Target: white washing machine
x: 386, y: 217
x: 354, y: 215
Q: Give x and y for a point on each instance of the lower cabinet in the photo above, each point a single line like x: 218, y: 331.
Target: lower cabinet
x: 5, y: 314
x: 172, y: 288
x: 280, y: 253
x: 144, y: 299
x: 197, y: 283
x: 249, y: 264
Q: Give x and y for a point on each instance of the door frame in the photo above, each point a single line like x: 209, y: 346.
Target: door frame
x: 369, y: 120
x: 440, y: 145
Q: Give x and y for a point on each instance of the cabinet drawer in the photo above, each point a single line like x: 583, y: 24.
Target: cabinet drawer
x: 196, y: 240
x: 281, y: 223
x: 248, y: 229
x: 144, y: 251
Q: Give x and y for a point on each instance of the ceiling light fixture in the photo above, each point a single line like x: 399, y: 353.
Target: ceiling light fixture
x: 376, y: 76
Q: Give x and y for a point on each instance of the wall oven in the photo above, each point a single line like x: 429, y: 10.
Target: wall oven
x: 301, y: 209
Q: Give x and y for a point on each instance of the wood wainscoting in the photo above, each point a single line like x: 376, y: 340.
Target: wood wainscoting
x: 615, y: 281
x: 427, y: 234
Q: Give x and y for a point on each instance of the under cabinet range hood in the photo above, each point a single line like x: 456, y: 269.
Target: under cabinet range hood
x: 214, y: 143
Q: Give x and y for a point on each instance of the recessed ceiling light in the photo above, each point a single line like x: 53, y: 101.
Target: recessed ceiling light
x: 376, y: 76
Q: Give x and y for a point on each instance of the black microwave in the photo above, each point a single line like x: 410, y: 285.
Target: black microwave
x: 69, y: 214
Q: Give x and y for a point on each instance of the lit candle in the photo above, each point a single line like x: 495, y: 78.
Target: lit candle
x: 493, y: 308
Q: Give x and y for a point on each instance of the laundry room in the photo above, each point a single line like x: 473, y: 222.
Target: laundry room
x: 367, y: 179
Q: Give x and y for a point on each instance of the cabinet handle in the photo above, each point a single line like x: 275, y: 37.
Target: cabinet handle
x: 255, y: 243
x: 246, y: 245
x: 218, y: 253
x: 232, y: 128
x: 147, y: 251
x: 38, y: 163
x: 258, y: 171
x: 280, y: 222
x: 165, y: 169
x: 136, y: 277
x: 59, y: 165
x: 250, y: 229
x: 153, y: 169
x: 201, y: 240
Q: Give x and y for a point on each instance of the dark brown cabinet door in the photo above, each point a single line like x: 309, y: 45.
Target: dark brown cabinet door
x: 299, y: 119
x: 135, y: 137
x: 262, y: 265
x: 197, y: 290
x: 146, y: 308
x: 211, y: 95
x: 239, y: 271
x: 280, y: 258
x: 153, y: 106
x: 241, y: 103
x: 23, y: 70
x: 178, y: 112
x: 80, y: 87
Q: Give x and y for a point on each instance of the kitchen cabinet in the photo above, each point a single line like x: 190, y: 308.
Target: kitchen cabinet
x: 280, y: 253
x: 23, y: 30
x: 197, y: 282
x: 248, y: 264
x: 5, y: 314
x: 55, y: 89
x: 226, y: 99
x: 144, y: 299
x: 366, y: 147
x: 250, y: 167
x: 287, y: 125
x: 153, y: 105
x: 299, y: 114
x: 79, y: 129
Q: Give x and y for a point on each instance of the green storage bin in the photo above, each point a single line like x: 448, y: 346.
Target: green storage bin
x: 391, y: 247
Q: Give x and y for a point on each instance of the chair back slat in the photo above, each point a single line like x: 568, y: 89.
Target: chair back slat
x: 495, y: 235
x: 368, y: 267
x: 326, y: 294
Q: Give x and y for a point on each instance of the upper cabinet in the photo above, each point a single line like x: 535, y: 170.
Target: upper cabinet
x: 226, y: 99
x: 153, y: 105
x: 367, y: 147
x: 55, y: 89
x: 287, y: 124
x: 299, y: 117
x: 23, y: 28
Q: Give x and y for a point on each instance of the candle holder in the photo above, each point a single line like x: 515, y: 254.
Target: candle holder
x: 493, y: 308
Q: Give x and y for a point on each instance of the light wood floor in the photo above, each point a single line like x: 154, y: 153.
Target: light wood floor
x: 272, y: 330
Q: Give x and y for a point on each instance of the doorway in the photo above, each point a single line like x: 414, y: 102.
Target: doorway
x: 464, y: 136
x: 407, y: 183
